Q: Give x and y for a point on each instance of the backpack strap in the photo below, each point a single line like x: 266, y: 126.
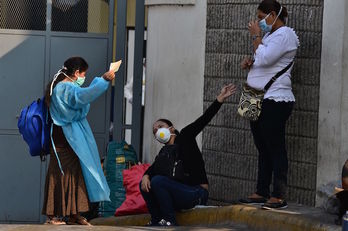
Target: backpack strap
x: 43, y: 156
x: 55, y: 151
x: 43, y: 123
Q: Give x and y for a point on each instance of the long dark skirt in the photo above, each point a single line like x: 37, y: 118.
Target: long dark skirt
x: 66, y: 194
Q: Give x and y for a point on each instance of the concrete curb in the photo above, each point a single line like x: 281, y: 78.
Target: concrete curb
x: 254, y: 217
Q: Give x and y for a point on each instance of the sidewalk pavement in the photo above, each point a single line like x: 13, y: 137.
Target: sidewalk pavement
x: 296, y: 217
x: 233, y: 227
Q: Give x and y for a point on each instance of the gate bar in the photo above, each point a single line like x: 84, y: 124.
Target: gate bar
x: 138, y: 77
x: 118, y: 133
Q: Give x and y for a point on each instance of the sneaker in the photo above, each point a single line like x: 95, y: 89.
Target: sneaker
x: 277, y: 205
x: 253, y: 201
x: 166, y: 223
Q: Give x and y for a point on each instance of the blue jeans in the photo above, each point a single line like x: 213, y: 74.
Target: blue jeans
x: 167, y: 196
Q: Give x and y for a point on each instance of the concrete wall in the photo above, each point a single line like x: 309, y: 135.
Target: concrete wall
x: 175, y: 65
x: 333, y: 114
x: 228, y: 148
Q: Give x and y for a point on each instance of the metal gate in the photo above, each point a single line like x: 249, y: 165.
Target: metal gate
x: 35, y: 39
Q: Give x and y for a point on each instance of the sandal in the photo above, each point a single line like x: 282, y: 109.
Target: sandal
x: 281, y: 204
x: 77, y: 220
x: 251, y: 200
x: 54, y: 221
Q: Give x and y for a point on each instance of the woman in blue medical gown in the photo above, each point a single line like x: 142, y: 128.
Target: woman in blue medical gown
x: 74, y: 176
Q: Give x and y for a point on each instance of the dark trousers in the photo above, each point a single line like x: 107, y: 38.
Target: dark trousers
x: 269, y: 138
x: 167, y: 195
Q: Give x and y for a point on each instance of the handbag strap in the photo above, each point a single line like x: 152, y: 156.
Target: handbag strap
x: 274, y: 78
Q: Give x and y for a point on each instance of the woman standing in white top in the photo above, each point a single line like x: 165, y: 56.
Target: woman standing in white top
x: 272, y: 53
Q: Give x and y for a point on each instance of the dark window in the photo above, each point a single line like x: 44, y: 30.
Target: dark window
x: 23, y: 14
x: 70, y: 15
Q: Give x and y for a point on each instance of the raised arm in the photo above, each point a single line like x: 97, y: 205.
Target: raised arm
x: 193, y: 129
x: 79, y: 97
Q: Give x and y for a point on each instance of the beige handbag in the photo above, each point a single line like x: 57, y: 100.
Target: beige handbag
x: 250, y: 103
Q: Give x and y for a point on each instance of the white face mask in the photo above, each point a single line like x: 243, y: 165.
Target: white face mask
x: 163, y: 135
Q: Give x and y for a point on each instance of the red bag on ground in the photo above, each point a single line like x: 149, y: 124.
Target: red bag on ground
x: 134, y: 203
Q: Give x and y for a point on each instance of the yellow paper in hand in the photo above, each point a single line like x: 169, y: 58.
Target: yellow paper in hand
x: 115, y: 66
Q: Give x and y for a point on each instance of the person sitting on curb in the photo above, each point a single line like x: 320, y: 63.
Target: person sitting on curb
x: 177, y: 179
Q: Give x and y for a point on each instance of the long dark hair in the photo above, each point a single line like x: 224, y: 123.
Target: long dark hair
x: 267, y: 6
x: 71, y: 65
x: 169, y: 123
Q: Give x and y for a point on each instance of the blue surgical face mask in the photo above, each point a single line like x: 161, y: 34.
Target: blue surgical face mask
x: 263, y: 24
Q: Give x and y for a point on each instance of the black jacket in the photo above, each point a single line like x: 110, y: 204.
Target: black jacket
x: 188, y: 150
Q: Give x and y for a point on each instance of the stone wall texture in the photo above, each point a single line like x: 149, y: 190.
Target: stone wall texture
x: 228, y: 148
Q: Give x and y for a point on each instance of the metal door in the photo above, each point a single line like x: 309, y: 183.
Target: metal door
x: 35, y: 39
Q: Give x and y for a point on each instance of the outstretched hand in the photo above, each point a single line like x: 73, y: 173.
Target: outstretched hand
x: 109, y: 76
x: 226, y: 92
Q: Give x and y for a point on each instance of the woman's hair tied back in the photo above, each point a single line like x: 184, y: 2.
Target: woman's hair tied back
x: 267, y: 6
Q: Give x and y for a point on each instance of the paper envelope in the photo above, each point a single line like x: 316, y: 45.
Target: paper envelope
x: 115, y: 66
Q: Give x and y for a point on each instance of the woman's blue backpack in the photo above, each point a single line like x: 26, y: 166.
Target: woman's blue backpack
x: 34, y: 126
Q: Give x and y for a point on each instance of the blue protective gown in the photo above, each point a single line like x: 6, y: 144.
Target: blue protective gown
x: 69, y: 107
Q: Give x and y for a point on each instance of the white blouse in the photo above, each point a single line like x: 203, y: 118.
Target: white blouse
x: 274, y: 54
